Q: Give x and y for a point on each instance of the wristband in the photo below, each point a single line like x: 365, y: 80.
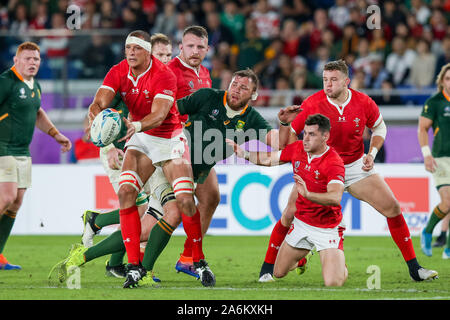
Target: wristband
x: 374, y: 152
x: 285, y: 124
x: 137, y: 126
x: 52, y: 132
x: 426, y: 151
x: 105, y: 149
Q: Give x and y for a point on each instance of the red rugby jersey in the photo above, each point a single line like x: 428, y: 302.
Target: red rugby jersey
x: 189, y: 79
x: 317, y: 172
x: 347, y: 121
x: 138, y: 93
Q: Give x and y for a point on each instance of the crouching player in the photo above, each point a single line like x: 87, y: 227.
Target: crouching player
x: 319, y: 180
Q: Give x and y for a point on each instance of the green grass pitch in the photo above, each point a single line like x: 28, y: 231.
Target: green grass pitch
x: 235, y: 261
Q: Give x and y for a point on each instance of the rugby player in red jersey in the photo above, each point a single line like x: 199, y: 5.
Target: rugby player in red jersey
x: 319, y: 182
x: 349, y: 112
x: 154, y: 138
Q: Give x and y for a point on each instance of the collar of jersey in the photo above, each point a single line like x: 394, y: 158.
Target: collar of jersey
x: 29, y: 83
x: 445, y: 95
x: 314, y: 156
x: 135, y: 81
x: 341, y: 108
x: 197, y: 72
x: 230, y: 112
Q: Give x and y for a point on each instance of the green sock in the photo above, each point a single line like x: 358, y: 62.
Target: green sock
x: 448, y: 238
x: 107, y: 219
x: 6, y: 223
x: 112, y: 244
x: 157, y: 241
x: 116, y: 259
x: 435, y: 217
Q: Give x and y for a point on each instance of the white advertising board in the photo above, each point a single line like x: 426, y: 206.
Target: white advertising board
x: 252, y: 199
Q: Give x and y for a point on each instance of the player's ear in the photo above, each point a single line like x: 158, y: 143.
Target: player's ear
x: 347, y: 81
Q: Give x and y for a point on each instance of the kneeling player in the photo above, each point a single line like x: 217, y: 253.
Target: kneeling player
x: 319, y: 179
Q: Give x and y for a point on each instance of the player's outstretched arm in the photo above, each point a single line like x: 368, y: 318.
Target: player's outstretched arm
x: 267, y: 159
x: 102, y: 100
x: 44, y: 124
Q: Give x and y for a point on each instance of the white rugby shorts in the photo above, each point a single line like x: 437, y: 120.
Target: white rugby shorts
x: 304, y: 236
x: 354, y: 172
x: 158, y: 149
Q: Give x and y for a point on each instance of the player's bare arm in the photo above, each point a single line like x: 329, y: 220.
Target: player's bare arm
x: 160, y: 109
x: 273, y: 139
x: 332, y: 197
x: 102, y: 100
x: 422, y: 134
x: 267, y: 159
x: 44, y: 124
x: 286, y: 116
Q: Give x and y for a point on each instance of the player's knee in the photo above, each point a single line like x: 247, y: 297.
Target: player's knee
x: 127, y: 194
x: 334, y: 281
x: 277, y: 273
x: 212, y: 200
x: 393, y: 209
x: 186, y: 204
x: 8, y: 198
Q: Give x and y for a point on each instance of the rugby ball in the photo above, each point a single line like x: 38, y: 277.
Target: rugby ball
x: 106, y: 127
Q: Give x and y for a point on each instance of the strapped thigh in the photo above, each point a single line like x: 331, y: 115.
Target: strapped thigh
x: 183, y: 185
x: 131, y: 178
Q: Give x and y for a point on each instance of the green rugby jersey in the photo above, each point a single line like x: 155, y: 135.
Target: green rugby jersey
x: 437, y: 109
x: 18, y: 112
x: 208, y: 126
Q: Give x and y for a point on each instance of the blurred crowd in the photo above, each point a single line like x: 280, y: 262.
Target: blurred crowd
x: 398, y: 44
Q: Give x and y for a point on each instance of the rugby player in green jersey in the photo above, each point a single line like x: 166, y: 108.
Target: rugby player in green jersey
x: 226, y: 114
x: 436, y: 114
x: 20, y: 113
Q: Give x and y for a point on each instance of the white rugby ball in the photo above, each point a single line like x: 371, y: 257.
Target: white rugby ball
x: 105, y: 127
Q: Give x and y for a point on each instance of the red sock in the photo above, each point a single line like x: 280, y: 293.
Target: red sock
x: 130, y: 225
x: 193, y: 228
x: 187, y: 247
x: 401, y: 236
x: 276, y: 239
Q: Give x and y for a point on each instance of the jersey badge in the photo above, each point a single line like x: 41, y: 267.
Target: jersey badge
x: 146, y: 92
x: 22, y: 93
x: 447, y: 111
x: 317, y: 174
x: 214, y: 114
x: 356, y: 121
x: 240, y: 125
x: 191, y: 84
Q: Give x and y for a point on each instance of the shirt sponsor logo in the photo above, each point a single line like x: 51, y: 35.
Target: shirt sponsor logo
x: 341, y: 119
x: 447, y: 111
x: 135, y: 91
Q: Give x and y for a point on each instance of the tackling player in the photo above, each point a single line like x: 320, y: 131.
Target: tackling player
x: 319, y: 181
x: 349, y: 112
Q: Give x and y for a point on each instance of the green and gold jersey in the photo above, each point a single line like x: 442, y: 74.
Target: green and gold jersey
x: 19, y: 105
x: 210, y: 122
x: 122, y: 108
x: 437, y: 109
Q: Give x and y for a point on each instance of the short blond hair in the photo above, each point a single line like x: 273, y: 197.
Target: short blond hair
x: 28, y: 45
x: 440, y: 76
